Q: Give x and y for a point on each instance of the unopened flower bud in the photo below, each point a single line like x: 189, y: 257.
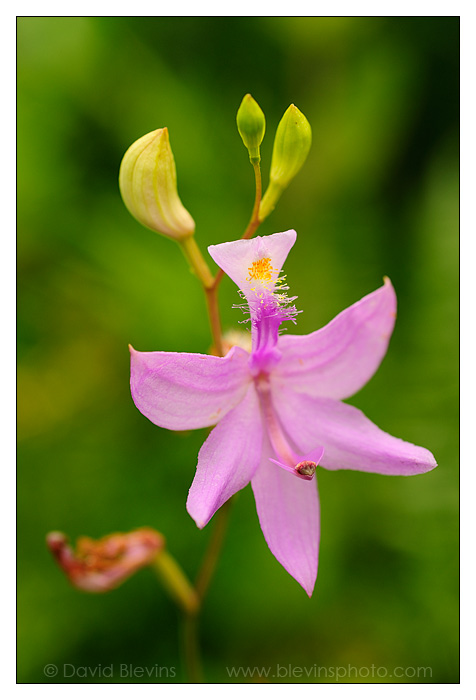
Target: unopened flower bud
x: 235, y: 337
x: 148, y: 184
x: 291, y: 146
x: 251, y: 124
x: 98, y: 566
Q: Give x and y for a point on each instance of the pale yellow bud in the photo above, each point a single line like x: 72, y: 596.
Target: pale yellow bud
x: 148, y: 184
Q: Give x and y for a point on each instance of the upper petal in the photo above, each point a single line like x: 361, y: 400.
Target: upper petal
x: 337, y: 360
x: 236, y: 260
x: 288, y: 512
x: 350, y: 440
x: 227, y: 460
x: 183, y: 391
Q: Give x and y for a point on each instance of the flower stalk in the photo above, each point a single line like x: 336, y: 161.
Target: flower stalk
x: 212, y: 553
x: 254, y: 221
x: 196, y: 261
x: 175, y: 582
x: 190, y: 641
x: 190, y: 649
x: 200, y: 268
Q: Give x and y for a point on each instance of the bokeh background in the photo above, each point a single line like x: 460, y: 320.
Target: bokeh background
x: 377, y: 196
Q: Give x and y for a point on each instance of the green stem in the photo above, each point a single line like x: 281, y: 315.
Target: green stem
x: 200, y: 268
x: 254, y: 221
x: 197, y: 261
x: 191, y: 651
x: 270, y: 199
x: 176, y: 583
x: 204, y: 577
x: 212, y: 553
x: 186, y: 597
x: 214, y: 318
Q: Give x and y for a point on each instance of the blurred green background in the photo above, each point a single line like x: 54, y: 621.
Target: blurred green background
x: 377, y: 196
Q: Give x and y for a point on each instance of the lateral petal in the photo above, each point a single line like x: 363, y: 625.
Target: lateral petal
x: 339, y: 359
x: 183, y: 391
x: 350, y: 439
x: 288, y: 512
x: 227, y: 460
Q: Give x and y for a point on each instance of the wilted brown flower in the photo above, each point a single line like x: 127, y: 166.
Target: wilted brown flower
x: 98, y: 566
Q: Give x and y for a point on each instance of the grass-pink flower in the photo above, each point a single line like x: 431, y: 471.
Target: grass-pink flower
x: 278, y: 410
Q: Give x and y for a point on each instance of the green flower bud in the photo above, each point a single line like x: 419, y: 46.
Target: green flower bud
x: 148, y: 184
x: 251, y: 124
x: 291, y: 146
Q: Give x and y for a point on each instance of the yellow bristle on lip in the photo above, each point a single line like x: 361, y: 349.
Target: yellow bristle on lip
x: 261, y: 270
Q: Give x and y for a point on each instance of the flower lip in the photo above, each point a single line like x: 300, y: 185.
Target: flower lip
x: 255, y: 263
x: 255, y: 267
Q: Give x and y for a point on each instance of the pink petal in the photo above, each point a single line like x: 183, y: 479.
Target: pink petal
x: 351, y: 441
x: 337, y: 360
x: 227, y: 460
x: 288, y: 511
x: 237, y: 257
x: 183, y: 391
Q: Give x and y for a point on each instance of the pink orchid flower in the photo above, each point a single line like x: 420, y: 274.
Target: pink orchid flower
x: 278, y: 410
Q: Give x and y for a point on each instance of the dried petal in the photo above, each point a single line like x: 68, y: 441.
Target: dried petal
x: 98, y: 566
